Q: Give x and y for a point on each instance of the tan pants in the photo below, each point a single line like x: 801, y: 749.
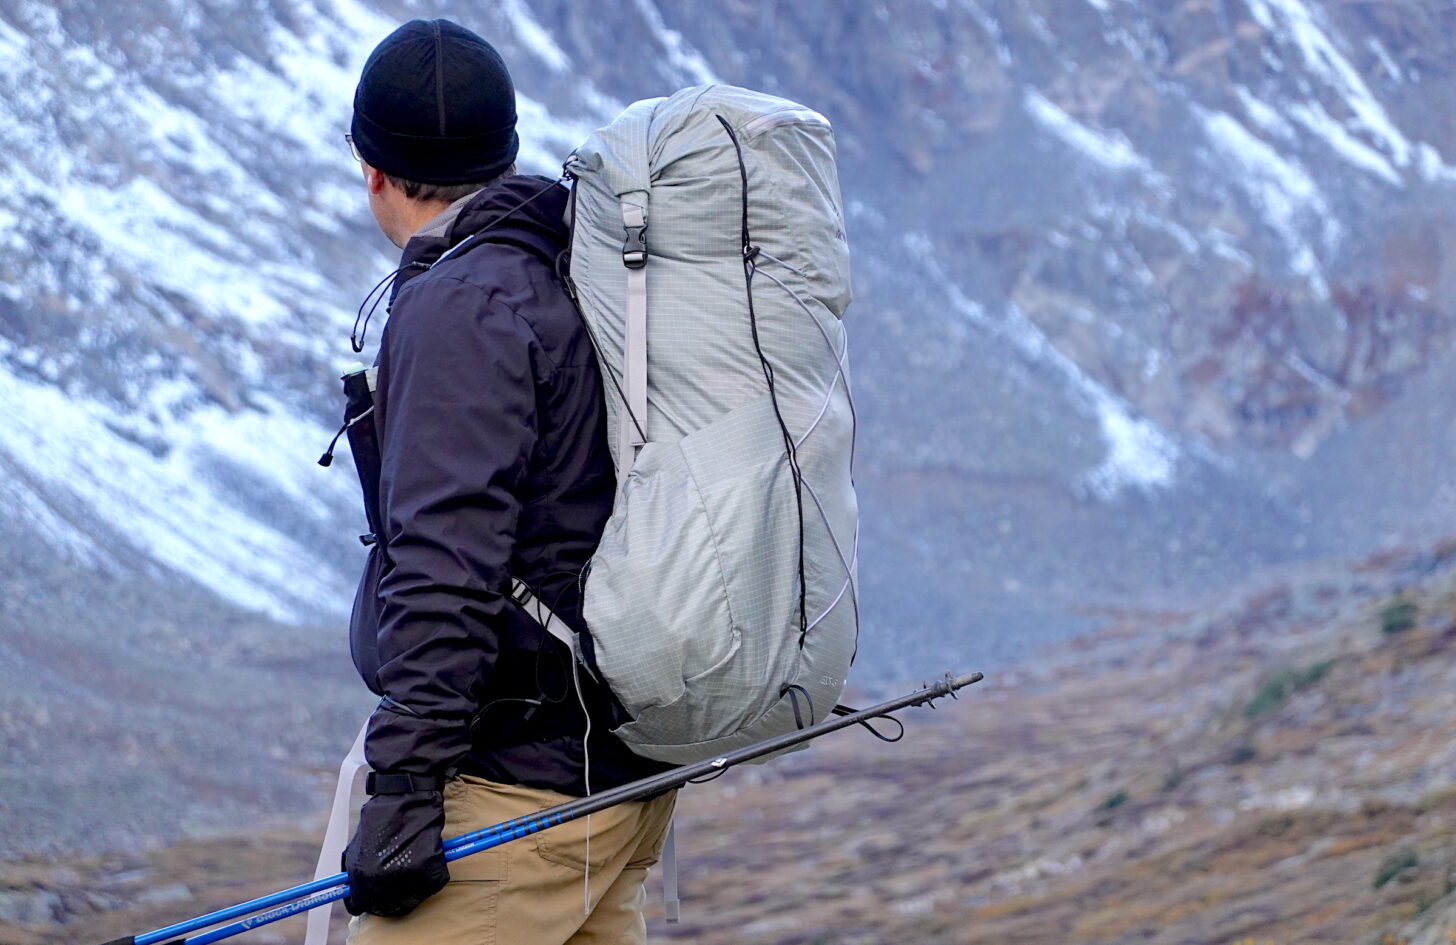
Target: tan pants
x: 532, y: 891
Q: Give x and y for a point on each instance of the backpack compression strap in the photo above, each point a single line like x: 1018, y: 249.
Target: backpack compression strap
x: 632, y: 426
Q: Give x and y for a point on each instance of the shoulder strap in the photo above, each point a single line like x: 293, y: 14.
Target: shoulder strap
x: 531, y: 602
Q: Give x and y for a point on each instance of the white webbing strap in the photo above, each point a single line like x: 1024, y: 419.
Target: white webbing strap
x: 542, y: 614
x: 551, y: 623
x: 348, y: 796
x: 671, y: 905
x: 634, y: 353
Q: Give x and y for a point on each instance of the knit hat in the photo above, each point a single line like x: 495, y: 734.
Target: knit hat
x: 435, y: 104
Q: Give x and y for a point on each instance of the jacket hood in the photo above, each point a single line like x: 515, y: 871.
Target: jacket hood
x: 524, y: 210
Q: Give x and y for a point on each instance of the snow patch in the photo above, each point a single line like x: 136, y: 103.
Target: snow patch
x: 1346, y: 145
x: 682, y: 56
x: 1268, y: 118
x: 12, y: 41
x: 1391, y: 69
x: 1305, y: 263
x: 169, y: 504
x: 1112, y: 151
x: 1279, y: 188
x: 1293, y: 19
x: 992, y: 26
x: 1139, y: 455
x: 534, y: 36
x: 545, y: 139
x: 54, y: 530
x: 173, y: 245
x: 1431, y: 165
x: 1316, y: 377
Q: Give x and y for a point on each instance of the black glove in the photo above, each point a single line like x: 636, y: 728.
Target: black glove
x: 396, y: 859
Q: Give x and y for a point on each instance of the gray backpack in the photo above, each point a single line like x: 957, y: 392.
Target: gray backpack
x: 709, y: 260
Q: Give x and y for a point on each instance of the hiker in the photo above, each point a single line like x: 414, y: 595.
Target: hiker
x: 490, y: 485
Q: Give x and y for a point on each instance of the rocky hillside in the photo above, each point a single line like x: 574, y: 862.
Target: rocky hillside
x: 1276, y: 767
x: 1280, y: 769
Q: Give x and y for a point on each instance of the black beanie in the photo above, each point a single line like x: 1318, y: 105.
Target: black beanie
x: 435, y: 104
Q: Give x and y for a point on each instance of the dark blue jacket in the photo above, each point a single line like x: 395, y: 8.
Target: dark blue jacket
x: 491, y: 464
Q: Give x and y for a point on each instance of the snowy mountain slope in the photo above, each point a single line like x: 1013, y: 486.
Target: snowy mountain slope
x: 1141, y: 287
x: 186, y: 245
x: 161, y: 289
x: 186, y: 242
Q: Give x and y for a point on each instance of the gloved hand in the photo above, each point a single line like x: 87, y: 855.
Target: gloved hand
x: 396, y: 859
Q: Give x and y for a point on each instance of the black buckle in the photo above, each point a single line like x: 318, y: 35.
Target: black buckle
x: 385, y: 782
x: 634, y: 248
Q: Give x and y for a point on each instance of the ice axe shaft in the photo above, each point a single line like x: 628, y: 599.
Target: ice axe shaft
x: 287, y: 902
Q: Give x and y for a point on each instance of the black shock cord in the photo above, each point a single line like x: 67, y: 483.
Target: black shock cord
x: 793, y: 693
x: 750, y: 253
x: 375, y: 296
x: 900, y: 733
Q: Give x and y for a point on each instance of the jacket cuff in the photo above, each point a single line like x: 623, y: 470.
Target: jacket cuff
x: 412, y: 744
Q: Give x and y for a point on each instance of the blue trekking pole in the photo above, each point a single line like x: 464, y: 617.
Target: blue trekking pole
x: 287, y: 902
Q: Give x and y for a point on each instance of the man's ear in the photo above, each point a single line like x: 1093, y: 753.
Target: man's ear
x: 374, y: 179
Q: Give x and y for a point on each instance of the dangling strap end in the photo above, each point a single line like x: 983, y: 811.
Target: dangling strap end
x: 671, y: 904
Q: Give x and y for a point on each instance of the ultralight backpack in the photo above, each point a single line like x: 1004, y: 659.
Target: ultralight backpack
x: 709, y: 260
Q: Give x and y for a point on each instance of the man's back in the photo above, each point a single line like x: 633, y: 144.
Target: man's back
x: 485, y: 469
x: 494, y: 468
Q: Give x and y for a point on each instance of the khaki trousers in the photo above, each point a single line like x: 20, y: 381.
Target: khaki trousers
x: 532, y: 891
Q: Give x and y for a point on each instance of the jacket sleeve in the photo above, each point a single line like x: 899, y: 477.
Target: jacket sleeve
x: 459, y: 425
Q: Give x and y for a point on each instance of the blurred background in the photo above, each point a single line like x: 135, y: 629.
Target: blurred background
x: 1153, y: 356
